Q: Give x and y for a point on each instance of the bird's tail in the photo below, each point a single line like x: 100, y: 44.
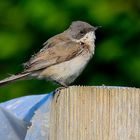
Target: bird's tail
x: 13, y: 78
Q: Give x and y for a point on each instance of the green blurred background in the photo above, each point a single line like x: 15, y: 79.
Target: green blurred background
x: 26, y: 24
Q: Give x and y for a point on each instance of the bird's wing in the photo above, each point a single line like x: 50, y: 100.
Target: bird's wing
x: 55, y: 51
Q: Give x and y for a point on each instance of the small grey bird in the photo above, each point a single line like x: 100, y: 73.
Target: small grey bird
x: 63, y: 56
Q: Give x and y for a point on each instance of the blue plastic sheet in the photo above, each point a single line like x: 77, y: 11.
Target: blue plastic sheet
x: 24, y: 117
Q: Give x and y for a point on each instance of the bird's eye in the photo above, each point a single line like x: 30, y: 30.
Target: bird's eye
x: 82, y: 32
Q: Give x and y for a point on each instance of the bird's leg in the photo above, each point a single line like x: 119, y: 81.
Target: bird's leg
x: 63, y: 86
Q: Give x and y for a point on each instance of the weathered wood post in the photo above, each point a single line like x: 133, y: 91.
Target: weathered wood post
x: 96, y: 113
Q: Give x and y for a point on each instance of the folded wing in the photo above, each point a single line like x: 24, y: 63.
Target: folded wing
x: 56, y: 50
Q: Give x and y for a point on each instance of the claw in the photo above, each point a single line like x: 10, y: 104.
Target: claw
x: 58, y: 91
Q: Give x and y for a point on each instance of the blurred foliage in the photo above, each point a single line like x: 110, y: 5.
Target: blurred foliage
x: 26, y: 24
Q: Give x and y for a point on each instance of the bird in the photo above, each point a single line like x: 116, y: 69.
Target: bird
x: 63, y: 56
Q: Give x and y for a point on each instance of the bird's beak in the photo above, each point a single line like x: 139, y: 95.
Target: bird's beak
x: 97, y: 27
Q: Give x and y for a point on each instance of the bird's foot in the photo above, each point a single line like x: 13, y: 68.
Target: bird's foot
x: 58, y: 91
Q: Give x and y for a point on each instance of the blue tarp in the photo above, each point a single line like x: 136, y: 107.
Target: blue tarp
x: 25, y: 118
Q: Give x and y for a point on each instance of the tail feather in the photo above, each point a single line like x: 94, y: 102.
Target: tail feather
x: 13, y: 78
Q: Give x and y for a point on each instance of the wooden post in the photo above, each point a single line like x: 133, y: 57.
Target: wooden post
x: 96, y: 113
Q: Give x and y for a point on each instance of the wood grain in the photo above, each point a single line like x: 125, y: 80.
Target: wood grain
x: 96, y: 113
